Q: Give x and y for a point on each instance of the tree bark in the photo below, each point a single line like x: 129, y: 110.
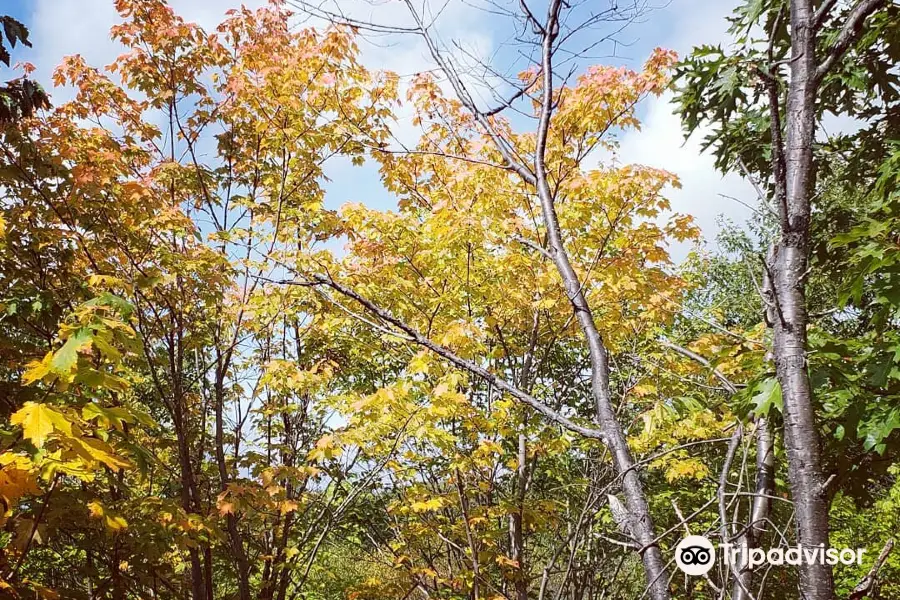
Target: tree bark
x: 787, y: 267
x: 188, y: 492
x: 237, y: 544
x: 790, y: 321
x: 516, y: 533
x: 759, y: 511
x: 614, y: 436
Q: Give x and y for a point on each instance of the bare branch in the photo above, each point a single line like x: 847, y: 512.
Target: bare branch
x: 756, y: 186
x: 731, y: 387
x: 534, y: 246
x: 723, y: 484
x: 822, y: 14
x: 466, y: 98
x: 865, y: 587
x: 849, y: 33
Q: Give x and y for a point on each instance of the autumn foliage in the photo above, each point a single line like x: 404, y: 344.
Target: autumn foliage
x: 212, y: 385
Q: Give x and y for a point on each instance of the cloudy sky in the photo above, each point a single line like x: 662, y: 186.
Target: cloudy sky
x: 63, y: 27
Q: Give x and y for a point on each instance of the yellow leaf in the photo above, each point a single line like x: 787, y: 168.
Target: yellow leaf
x: 40, y: 591
x: 37, y: 370
x: 111, y: 520
x: 327, y: 447
x: 505, y: 561
x: 97, y: 450
x: 225, y: 506
x: 16, y: 482
x: 419, y: 363
x: 104, y: 281
x: 427, y: 505
x: 38, y: 421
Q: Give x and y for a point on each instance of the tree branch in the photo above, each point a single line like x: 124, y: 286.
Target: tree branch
x: 463, y: 94
x: 849, y: 33
x: 731, y: 387
x: 822, y: 13
x: 452, y: 357
x: 865, y: 587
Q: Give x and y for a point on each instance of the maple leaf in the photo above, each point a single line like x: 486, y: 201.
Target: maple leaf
x: 65, y: 358
x: 225, y: 506
x: 93, y: 449
x: 38, y: 421
x: 427, y: 505
x: 505, y: 561
x: 113, y: 521
x: 115, y: 416
x: 17, y: 479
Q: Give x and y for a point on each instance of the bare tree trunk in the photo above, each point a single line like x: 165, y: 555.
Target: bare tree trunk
x: 801, y: 434
x: 516, y: 535
x: 635, y: 497
x: 234, y: 535
x: 188, y: 488
x: 789, y: 271
x: 788, y: 267
x: 759, y: 511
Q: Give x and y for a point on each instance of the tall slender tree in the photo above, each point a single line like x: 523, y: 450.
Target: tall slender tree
x: 769, y: 132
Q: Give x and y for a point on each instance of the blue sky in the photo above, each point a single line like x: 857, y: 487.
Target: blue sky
x: 63, y: 27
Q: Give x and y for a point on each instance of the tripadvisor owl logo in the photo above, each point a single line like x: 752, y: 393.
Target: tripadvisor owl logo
x: 695, y: 555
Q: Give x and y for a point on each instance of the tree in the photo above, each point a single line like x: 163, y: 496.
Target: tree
x: 813, y: 41
x: 547, y: 165
x: 215, y: 386
x: 103, y: 202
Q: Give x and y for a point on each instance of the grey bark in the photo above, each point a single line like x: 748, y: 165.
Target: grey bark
x: 759, y: 511
x: 516, y: 521
x: 231, y: 522
x: 614, y: 436
x: 794, y: 171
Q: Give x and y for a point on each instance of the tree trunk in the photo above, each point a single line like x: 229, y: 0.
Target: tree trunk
x: 234, y: 535
x: 635, y: 497
x: 759, y: 511
x: 188, y: 491
x: 516, y: 534
x: 788, y: 281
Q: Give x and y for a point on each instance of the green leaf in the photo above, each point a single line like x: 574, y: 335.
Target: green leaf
x: 120, y: 305
x: 65, y: 358
x: 768, y: 394
x: 15, y: 31
x: 115, y: 416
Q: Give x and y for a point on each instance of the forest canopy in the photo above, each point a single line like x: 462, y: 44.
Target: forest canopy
x: 512, y: 384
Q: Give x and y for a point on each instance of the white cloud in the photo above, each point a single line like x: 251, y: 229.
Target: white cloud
x: 660, y: 142
x: 65, y: 27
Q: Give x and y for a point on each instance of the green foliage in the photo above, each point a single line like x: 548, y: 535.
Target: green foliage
x: 20, y: 97
x: 727, y: 88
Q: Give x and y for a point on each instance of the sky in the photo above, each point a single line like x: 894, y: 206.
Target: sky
x: 63, y: 27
